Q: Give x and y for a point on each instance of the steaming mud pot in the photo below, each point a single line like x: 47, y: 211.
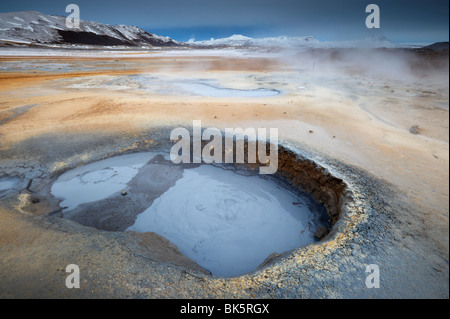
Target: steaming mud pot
x: 227, y: 222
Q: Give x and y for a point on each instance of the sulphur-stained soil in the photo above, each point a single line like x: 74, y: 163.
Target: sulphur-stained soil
x: 345, y: 137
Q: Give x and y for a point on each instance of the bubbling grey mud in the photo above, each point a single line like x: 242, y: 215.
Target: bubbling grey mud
x: 226, y: 220
x: 7, y: 185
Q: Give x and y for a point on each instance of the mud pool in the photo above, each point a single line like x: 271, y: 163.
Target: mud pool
x: 227, y: 221
x: 149, y: 83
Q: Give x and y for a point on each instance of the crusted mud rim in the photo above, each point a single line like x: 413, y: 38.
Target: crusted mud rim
x: 301, y: 169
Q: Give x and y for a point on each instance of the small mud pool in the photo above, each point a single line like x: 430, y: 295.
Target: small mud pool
x: 146, y: 83
x: 203, y: 89
x: 228, y: 221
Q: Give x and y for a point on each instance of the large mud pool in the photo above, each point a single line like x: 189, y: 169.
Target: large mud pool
x: 227, y: 221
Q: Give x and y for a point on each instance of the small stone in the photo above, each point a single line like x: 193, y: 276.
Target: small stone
x: 269, y: 259
x: 414, y: 129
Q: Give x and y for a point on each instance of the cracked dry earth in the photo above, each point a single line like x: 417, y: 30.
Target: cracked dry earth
x: 344, y: 138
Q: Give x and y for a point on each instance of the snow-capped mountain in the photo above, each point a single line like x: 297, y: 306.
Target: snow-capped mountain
x: 31, y: 27
x: 34, y: 27
x: 239, y: 40
x: 368, y: 42
x: 293, y: 42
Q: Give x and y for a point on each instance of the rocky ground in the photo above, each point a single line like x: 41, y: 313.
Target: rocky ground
x: 354, y: 122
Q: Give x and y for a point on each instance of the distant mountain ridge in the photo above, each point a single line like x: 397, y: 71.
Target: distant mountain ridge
x: 28, y: 28
x: 438, y: 46
x: 31, y: 27
x: 238, y: 40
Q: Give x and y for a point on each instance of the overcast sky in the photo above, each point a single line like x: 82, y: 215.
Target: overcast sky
x: 401, y: 20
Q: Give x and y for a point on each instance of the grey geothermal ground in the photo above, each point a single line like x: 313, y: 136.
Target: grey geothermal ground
x: 385, y: 189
